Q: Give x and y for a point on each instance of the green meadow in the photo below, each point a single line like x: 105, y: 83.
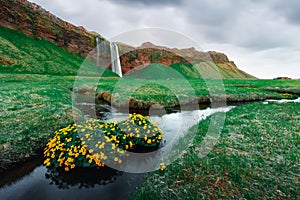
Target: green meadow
x: 257, y: 155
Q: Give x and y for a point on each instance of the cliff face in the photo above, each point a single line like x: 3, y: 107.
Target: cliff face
x: 36, y: 22
x: 147, y: 53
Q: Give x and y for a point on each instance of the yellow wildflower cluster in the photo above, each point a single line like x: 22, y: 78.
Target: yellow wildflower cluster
x: 162, y: 166
x: 139, y: 130
x: 94, y: 142
x: 66, y: 149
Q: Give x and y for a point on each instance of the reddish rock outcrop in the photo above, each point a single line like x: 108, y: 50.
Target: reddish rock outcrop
x: 36, y: 22
x: 131, y: 58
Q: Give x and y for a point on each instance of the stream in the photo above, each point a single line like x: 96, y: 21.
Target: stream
x: 32, y: 180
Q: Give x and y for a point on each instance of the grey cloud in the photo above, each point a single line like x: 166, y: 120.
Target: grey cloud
x: 149, y: 2
x: 289, y: 10
x: 251, y: 25
x: 214, y: 13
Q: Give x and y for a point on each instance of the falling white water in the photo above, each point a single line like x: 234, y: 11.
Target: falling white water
x: 98, y: 41
x: 115, y: 59
x: 103, y: 52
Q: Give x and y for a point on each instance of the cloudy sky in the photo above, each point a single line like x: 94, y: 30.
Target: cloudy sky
x: 261, y: 37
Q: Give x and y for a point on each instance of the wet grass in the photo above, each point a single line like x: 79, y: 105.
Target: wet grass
x: 256, y: 157
x: 31, y: 108
x: 162, y: 92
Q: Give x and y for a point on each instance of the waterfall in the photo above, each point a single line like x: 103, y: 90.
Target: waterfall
x: 115, y: 59
x: 104, y: 52
x: 98, y: 48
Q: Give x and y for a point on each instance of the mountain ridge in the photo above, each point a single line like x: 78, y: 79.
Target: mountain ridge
x: 40, y: 24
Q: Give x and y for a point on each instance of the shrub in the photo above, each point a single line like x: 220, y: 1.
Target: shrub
x: 92, y: 143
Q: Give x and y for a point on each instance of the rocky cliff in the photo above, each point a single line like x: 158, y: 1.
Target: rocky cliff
x: 150, y: 53
x: 36, y: 22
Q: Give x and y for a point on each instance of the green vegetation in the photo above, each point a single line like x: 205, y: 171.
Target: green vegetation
x: 94, y: 142
x: 256, y: 157
x: 36, y: 79
x: 32, y: 107
x: 21, y: 54
x: 140, y: 86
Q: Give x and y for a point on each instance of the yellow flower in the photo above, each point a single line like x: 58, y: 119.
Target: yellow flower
x: 70, y: 159
x: 107, y: 139
x: 116, y: 159
x: 114, y: 138
x: 162, y: 166
x: 149, y: 141
x: 130, y: 144
x: 66, y: 169
x: 72, y: 166
x: 102, y: 156
x: 47, y: 162
x: 139, y: 116
x: 102, y: 145
x: 113, y: 146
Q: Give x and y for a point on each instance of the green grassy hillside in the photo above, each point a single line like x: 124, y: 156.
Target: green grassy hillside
x: 204, y: 70
x: 227, y: 71
x: 22, y: 54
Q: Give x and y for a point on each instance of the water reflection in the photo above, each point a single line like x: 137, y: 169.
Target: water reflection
x: 81, y: 177
x: 34, y: 181
x: 35, y: 186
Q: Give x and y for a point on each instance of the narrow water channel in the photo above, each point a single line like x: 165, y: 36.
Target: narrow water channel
x: 34, y: 181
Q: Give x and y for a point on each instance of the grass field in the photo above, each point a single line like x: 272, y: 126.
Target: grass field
x: 256, y: 157
x: 34, y: 106
x: 162, y: 92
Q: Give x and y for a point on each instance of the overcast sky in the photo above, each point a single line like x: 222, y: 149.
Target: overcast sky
x: 261, y: 37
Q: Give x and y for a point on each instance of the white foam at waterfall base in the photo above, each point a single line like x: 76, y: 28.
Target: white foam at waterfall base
x: 115, y: 59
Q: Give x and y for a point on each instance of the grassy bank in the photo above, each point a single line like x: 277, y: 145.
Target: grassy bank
x: 159, y: 91
x: 256, y: 157
x: 32, y: 107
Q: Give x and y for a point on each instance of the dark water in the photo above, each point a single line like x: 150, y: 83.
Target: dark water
x: 41, y: 183
x: 32, y: 180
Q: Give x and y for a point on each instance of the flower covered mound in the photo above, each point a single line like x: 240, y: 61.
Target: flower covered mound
x: 93, y: 143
